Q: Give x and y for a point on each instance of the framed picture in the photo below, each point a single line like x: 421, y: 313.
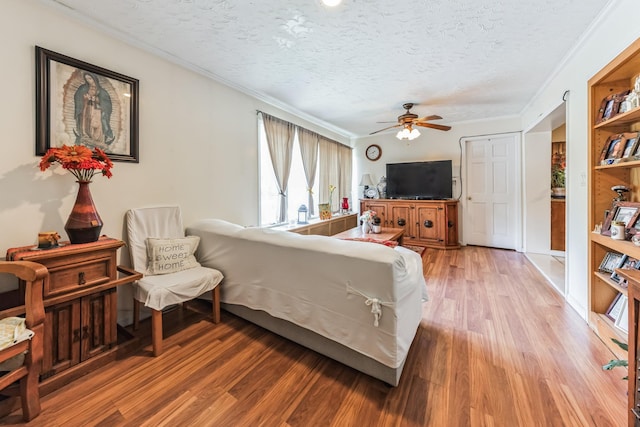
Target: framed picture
x: 610, y: 261
x: 622, y: 321
x: 613, y: 149
x: 628, y: 263
x: 610, y: 106
x: 635, y: 151
x: 82, y: 104
x: 630, y: 145
x: 626, y: 212
x: 614, y: 310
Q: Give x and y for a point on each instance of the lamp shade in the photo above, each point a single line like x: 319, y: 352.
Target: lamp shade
x: 366, y: 180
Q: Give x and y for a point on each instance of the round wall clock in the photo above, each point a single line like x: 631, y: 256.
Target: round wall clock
x: 373, y: 152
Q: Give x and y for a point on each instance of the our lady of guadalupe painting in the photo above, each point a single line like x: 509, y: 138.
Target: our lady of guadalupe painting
x: 82, y: 104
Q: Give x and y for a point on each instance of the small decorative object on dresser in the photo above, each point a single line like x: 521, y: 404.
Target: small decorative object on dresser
x: 324, y: 210
x: 345, y: 205
x: 382, y: 187
x: 48, y: 239
x: 84, y: 223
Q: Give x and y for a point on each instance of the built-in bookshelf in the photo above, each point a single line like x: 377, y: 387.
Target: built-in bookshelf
x: 610, y: 166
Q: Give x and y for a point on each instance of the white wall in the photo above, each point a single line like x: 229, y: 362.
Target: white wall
x: 198, y: 138
x: 594, y: 52
x: 536, y: 198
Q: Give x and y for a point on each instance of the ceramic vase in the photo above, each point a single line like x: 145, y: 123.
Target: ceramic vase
x: 84, y: 223
x: 366, y: 227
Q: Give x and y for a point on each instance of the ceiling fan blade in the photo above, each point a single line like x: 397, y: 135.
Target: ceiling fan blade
x: 395, y: 121
x: 390, y: 127
x: 433, y: 126
x: 424, y: 119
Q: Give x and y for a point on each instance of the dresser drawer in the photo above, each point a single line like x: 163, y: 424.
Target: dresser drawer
x: 72, y: 277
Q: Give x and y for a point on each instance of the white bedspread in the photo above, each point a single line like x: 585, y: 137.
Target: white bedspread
x: 323, y: 284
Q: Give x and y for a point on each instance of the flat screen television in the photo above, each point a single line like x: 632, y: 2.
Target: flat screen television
x: 420, y: 180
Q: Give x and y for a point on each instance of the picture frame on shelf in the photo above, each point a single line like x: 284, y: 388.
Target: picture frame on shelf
x: 622, y: 321
x: 610, y: 106
x: 78, y: 103
x: 627, y: 263
x: 615, y: 308
x: 626, y: 212
x: 630, y: 145
x: 610, y: 261
x: 612, y: 149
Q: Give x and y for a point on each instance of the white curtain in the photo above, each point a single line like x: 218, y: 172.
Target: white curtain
x: 309, y: 142
x: 345, y: 162
x: 329, y: 172
x: 280, y: 141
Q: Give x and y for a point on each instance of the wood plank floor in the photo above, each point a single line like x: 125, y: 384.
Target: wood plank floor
x: 497, y: 347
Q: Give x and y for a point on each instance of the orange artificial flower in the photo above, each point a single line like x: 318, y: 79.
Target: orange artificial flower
x: 73, y: 154
x: 79, y: 160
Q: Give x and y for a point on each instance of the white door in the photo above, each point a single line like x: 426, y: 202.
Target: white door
x: 491, y: 217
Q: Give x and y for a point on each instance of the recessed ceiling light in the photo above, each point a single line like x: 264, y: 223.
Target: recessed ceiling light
x: 331, y: 3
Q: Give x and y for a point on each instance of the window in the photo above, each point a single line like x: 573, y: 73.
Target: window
x: 333, y: 168
x: 296, y: 190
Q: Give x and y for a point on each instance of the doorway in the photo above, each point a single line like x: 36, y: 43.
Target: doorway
x: 544, y: 210
x: 493, y: 191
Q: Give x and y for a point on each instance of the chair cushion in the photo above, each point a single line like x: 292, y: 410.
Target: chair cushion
x: 171, y: 255
x: 160, y: 291
x: 12, y: 331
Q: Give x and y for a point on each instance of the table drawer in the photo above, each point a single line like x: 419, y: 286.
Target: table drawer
x: 67, y: 278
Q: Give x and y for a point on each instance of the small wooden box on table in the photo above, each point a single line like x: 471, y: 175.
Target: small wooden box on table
x: 80, y: 299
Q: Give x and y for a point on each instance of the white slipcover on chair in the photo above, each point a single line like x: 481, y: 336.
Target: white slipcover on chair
x: 158, y: 291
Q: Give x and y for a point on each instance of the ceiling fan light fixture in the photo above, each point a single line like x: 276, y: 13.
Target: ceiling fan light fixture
x: 331, y: 3
x: 408, y: 133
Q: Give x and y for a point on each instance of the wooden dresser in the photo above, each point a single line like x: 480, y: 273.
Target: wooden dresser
x: 80, y: 299
x: 429, y: 223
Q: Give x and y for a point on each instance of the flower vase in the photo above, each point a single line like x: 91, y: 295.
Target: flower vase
x: 84, y: 223
x: 366, y: 227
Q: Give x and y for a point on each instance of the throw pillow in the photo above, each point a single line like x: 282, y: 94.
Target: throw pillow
x: 171, y: 255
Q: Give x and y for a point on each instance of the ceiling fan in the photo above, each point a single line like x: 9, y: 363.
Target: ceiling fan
x: 408, y: 120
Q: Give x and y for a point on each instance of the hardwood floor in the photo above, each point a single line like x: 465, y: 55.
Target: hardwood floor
x: 497, y: 347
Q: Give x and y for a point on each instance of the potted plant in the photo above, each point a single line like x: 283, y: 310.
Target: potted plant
x: 376, y: 226
x: 558, y: 180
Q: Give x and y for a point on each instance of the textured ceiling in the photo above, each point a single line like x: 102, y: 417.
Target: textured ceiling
x: 356, y: 64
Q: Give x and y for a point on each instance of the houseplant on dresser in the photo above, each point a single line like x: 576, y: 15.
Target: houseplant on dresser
x: 84, y: 223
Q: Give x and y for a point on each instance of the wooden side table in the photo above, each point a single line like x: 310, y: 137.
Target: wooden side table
x: 80, y: 299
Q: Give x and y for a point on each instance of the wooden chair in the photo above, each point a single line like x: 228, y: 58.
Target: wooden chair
x: 158, y: 291
x: 33, y: 275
